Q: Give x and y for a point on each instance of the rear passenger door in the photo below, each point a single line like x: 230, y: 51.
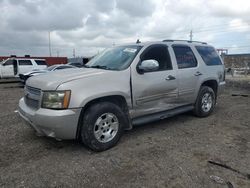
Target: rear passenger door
x: 8, y: 69
x: 24, y: 66
x: 188, y: 73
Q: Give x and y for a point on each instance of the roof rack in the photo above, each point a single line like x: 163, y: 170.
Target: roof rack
x: 189, y: 41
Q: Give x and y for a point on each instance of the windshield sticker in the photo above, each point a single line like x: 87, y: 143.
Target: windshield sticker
x: 131, y: 50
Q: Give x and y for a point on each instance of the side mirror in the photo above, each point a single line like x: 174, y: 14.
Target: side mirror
x: 148, y: 66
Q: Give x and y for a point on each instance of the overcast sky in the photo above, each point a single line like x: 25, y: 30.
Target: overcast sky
x: 91, y: 25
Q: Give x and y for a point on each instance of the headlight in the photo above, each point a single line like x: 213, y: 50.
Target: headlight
x: 56, y: 99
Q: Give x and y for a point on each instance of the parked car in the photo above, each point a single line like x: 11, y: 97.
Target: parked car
x: 12, y: 67
x: 24, y: 77
x: 78, y: 61
x: 121, y: 87
x: 79, y: 65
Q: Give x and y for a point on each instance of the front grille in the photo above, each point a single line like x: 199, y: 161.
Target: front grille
x: 32, y: 97
x: 33, y: 90
x: 31, y: 102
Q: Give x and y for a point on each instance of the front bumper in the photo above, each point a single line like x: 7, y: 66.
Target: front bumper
x: 221, y: 87
x: 59, y: 124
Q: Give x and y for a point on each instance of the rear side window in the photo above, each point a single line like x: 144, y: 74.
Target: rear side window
x: 24, y: 62
x: 209, y: 55
x: 184, y: 56
x: 40, y: 62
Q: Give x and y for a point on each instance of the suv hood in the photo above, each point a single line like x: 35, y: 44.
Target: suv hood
x: 51, y: 80
x: 35, y: 71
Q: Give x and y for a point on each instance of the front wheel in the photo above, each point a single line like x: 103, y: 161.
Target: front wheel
x: 102, y: 126
x: 205, y: 102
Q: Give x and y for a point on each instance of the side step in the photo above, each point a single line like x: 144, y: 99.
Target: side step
x: 161, y: 115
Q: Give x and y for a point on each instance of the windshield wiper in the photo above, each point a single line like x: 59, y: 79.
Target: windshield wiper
x: 99, y: 67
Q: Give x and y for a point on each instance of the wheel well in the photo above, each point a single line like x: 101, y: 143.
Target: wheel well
x: 116, y: 99
x: 212, y: 84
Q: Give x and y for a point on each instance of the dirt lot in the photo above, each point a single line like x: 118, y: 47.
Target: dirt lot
x: 169, y: 153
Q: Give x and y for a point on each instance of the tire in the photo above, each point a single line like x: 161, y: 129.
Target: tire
x: 205, y: 102
x: 102, y: 126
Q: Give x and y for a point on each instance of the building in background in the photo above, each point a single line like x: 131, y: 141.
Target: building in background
x: 237, y: 60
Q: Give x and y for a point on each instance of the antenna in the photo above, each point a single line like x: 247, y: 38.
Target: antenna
x: 191, y: 35
x: 49, y: 45
x: 74, y: 52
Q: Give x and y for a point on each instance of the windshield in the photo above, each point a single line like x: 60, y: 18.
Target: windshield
x: 50, y: 68
x: 116, y: 58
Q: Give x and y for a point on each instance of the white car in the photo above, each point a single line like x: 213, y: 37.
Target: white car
x: 12, y: 67
x: 24, y: 77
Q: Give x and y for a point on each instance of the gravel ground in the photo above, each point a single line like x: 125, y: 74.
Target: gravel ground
x: 168, y: 153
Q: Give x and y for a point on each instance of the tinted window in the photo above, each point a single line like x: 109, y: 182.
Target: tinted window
x: 9, y: 62
x: 51, y: 67
x: 40, y: 62
x: 160, y: 54
x: 24, y: 62
x: 185, y: 57
x: 209, y: 55
x: 63, y: 67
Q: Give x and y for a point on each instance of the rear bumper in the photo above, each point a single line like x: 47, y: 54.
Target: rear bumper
x: 59, y: 124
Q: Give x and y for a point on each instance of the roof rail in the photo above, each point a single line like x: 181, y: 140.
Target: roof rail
x: 189, y: 41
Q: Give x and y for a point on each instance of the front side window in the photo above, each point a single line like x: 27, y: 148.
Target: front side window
x: 8, y: 62
x: 24, y: 62
x: 160, y: 54
x: 209, y: 55
x: 116, y: 58
x: 184, y: 56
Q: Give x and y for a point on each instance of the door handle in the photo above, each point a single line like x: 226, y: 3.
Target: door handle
x: 198, y: 73
x: 170, y: 77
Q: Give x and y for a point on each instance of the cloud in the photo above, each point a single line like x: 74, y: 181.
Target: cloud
x: 89, y: 26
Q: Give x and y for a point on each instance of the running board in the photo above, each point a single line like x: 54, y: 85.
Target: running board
x: 161, y: 115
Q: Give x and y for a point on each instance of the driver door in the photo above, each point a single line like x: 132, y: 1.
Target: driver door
x: 8, y: 69
x: 157, y: 90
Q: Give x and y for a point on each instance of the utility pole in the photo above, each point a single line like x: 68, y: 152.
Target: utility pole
x: 49, y: 45
x: 191, y: 35
x: 74, y: 52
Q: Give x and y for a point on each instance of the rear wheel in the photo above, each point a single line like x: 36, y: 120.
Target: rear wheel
x: 102, y: 126
x: 205, y: 102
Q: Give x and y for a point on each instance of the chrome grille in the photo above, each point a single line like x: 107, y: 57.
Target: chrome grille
x: 32, y: 97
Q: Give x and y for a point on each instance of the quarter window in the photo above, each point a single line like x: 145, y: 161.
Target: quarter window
x: 209, y: 55
x: 185, y: 57
x: 24, y: 62
x: 160, y: 54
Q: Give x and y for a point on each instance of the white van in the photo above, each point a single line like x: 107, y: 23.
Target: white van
x: 12, y: 67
